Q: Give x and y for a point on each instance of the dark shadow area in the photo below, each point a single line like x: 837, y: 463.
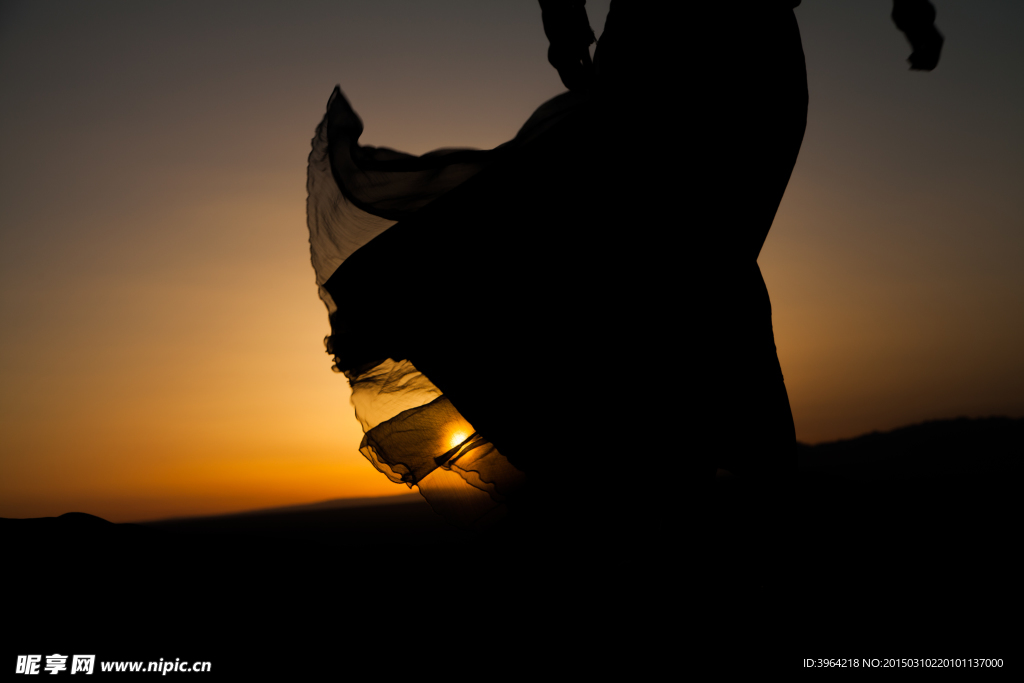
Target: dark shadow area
x: 895, y: 544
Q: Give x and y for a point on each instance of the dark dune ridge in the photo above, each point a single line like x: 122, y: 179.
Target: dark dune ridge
x: 940, y: 448
x: 405, y: 520
x: 899, y: 544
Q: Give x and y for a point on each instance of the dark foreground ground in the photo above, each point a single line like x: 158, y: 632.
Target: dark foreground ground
x: 897, y: 545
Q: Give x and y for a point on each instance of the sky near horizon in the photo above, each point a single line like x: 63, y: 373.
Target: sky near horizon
x: 161, y: 352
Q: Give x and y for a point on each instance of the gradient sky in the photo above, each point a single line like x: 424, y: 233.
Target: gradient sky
x: 161, y: 348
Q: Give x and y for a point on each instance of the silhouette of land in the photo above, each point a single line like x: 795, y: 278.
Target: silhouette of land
x: 896, y: 544
x: 405, y: 520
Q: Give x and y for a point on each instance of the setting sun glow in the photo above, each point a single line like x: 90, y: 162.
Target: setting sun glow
x: 456, y: 439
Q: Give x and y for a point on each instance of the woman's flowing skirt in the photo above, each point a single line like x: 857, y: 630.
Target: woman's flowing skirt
x: 576, y: 316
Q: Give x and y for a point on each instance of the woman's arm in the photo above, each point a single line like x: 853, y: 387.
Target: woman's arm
x: 916, y: 18
x: 568, y: 28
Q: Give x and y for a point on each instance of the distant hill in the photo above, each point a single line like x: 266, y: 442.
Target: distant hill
x: 936, y: 449
x: 333, y: 504
x: 405, y: 519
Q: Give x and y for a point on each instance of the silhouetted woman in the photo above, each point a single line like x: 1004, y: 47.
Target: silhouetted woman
x: 581, y: 305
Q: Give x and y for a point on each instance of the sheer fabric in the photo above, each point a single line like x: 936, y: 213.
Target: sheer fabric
x: 413, y: 434
x: 356, y: 193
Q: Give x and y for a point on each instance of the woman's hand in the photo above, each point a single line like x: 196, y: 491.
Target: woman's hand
x: 927, y: 45
x: 916, y: 18
x: 574, y: 66
x: 567, y: 27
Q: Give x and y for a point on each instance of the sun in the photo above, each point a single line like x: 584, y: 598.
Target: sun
x: 456, y: 439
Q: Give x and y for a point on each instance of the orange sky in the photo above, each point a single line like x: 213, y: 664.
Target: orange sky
x: 162, y: 344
